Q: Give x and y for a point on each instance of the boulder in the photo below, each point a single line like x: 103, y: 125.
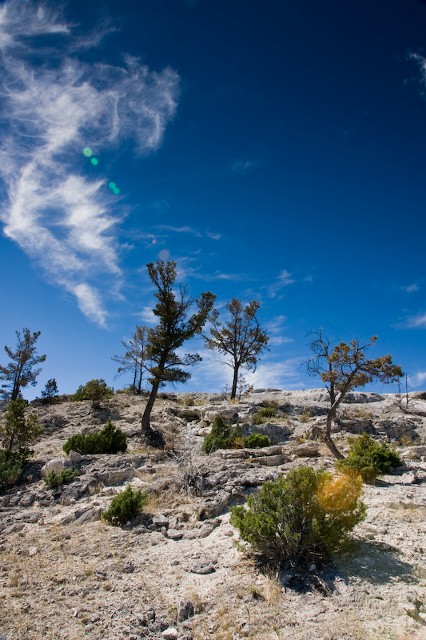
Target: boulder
x: 56, y: 465
x: 306, y: 450
x: 271, y: 461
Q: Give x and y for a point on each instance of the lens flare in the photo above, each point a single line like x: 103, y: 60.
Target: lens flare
x: 87, y: 152
x: 94, y: 161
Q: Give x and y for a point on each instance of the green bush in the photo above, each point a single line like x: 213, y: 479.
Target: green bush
x: 11, y: 468
x: 300, y: 518
x: 267, y: 412
x: 369, y: 457
x: 222, y: 436
x: 94, y: 390
x: 65, y: 476
x: 110, y: 440
x: 19, y: 430
x: 256, y: 441
x: 125, y: 506
x: 257, y: 419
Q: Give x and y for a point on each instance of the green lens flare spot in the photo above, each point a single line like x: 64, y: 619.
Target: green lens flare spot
x: 116, y: 190
x: 112, y: 185
x: 94, y: 161
x: 87, y: 152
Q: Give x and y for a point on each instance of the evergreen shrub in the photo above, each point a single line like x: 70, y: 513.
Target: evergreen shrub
x: 368, y: 457
x: 222, y: 436
x: 256, y: 441
x: 94, y: 390
x: 11, y: 468
x: 125, y: 506
x: 302, y: 517
x: 110, y: 440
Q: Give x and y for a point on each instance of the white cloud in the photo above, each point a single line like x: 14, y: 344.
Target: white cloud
x: 418, y: 321
x: 411, y: 288
x: 50, y: 111
x: 275, y: 328
x: 183, y: 229
x: 213, y: 236
x: 89, y: 302
x: 285, y: 279
x: 417, y: 379
x: 148, y: 316
x: 279, y: 375
x: 244, y: 166
x: 190, y: 230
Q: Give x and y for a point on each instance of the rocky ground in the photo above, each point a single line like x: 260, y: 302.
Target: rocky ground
x: 177, y: 571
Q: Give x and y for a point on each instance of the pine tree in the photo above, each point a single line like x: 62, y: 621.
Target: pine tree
x: 21, y: 371
x: 241, y: 338
x: 344, y: 367
x: 134, y: 358
x: 174, y: 328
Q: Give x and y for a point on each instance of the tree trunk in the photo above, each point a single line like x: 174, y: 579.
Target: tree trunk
x: 140, y: 380
x: 153, y: 437
x: 331, y: 416
x: 234, y: 382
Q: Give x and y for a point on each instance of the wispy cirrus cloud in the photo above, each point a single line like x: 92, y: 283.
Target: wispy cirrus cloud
x: 189, y: 230
x: 411, y: 288
x: 51, y: 109
x: 417, y: 321
x: 284, y: 279
x: 275, y: 329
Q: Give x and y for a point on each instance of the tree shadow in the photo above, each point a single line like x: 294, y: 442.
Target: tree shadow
x: 373, y: 562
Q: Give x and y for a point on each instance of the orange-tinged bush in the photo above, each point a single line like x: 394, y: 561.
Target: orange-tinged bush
x: 340, y: 493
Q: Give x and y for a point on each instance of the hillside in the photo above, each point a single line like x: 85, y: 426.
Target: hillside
x: 176, y: 572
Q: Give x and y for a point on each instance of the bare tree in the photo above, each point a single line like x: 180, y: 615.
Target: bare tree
x: 21, y: 371
x: 241, y: 337
x: 343, y: 367
x: 173, y: 329
x: 134, y: 358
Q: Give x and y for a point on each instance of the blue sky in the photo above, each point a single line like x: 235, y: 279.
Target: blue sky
x: 275, y: 149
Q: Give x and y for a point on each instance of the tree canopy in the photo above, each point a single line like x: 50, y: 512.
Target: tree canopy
x: 134, y: 358
x: 174, y: 328
x: 241, y: 337
x: 344, y: 367
x: 22, y: 369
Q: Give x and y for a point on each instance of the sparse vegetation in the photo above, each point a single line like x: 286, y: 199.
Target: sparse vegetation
x: 95, y: 390
x: 369, y: 457
x: 268, y: 412
x: 222, y: 436
x: 300, y: 518
x: 110, y: 440
x: 305, y: 415
x: 54, y: 479
x: 125, y: 506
